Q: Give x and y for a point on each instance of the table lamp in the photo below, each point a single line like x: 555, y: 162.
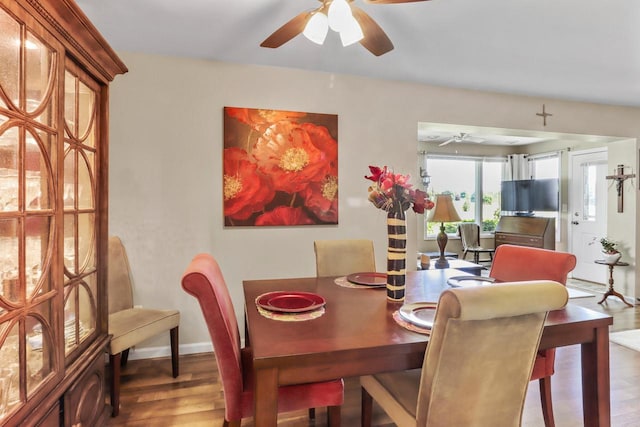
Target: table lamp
x: 442, y: 212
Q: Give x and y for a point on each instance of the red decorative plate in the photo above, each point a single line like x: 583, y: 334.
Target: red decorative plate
x: 290, y: 302
x: 368, y: 279
x: 419, y: 313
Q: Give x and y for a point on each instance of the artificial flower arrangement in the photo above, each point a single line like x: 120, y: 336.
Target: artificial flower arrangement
x: 391, y: 191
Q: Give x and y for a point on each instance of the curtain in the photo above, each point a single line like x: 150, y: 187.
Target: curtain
x: 516, y: 167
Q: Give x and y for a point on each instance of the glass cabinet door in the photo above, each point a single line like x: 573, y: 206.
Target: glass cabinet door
x: 28, y: 168
x: 79, y: 188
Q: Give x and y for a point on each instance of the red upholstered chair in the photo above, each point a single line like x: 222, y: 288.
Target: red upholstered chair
x: 518, y: 263
x: 203, y: 279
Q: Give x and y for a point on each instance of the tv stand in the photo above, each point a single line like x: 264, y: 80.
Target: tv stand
x: 536, y: 232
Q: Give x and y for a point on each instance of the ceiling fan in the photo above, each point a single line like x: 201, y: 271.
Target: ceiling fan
x: 353, y: 24
x: 463, y: 137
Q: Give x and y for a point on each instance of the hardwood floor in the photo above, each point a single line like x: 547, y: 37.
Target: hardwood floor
x: 151, y: 397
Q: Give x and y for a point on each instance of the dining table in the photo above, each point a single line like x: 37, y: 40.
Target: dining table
x: 358, y: 335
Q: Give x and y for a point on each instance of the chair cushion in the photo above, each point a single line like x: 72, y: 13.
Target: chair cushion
x: 132, y: 326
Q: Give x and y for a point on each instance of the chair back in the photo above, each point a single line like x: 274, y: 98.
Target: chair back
x: 516, y: 263
x: 343, y: 257
x: 481, y: 352
x: 119, y: 285
x: 203, y: 280
x: 469, y: 233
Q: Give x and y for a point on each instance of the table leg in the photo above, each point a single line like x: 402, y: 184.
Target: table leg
x: 596, y: 404
x: 266, y: 398
x: 611, y: 291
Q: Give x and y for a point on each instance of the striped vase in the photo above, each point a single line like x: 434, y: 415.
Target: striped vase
x: 396, y: 254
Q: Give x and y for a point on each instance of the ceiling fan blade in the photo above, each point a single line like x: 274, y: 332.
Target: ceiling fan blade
x: 375, y: 40
x: 474, y: 139
x: 288, y: 31
x: 447, y: 142
x: 391, y: 1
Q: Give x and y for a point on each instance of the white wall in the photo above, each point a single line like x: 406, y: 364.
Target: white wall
x: 166, y: 165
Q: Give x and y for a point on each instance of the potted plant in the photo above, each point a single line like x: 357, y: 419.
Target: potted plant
x: 609, y: 252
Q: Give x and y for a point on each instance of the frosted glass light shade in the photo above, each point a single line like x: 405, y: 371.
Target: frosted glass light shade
x: 317, y: 28
x: 352, y: 33
x: 339, y: 15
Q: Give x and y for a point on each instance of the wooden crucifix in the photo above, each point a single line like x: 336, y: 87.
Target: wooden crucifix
x: 620, y: 177
x: 544, y: 115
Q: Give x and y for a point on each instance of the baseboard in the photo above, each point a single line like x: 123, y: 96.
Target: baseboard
x: 165, y: 351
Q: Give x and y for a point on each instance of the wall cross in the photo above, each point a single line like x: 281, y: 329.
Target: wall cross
x: 544, y: 116
x: 620, y: 177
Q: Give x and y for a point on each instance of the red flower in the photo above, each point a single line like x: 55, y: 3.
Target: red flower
x: 284, y: 215
x: 421, y: 202
x: 259, y: 119
x: 294, y: 155
x: 245, y: 189
x: 321, y: 198
x: 376, y: 173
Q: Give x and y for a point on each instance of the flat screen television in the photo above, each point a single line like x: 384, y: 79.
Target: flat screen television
x: 530, y: 195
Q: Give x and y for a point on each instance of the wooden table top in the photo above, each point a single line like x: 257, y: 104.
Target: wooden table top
x: 357, y: 319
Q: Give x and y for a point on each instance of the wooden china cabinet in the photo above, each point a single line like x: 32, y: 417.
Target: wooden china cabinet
x: 55, y: 69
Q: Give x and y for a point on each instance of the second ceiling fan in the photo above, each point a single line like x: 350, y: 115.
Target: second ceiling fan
x: 463, y: 137
x: 353, y: 24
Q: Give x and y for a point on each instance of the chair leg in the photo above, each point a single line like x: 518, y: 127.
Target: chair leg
x: 175, y: 368
x: 124, y: 358
x: 333, y: 416
x: 366, y: 409
x: 114, y: 364
x: 545, y: 398
x: 312, y: 414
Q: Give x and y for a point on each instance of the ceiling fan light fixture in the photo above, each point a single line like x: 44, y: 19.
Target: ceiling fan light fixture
x: 317, y: 28
x: 351, y: 34
x: 339, y: 15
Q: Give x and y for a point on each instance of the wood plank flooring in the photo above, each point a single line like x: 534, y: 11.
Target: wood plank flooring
x: 151, y: 397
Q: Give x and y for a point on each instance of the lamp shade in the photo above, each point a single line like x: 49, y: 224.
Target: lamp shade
x: 443, y: 211
x: 351, y: 33
x: 317, y: 28
x: 339, y: 15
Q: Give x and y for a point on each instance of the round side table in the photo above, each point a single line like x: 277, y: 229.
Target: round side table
x: 611, y: 291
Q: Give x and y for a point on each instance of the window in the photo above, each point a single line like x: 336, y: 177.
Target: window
x: 474, y: 185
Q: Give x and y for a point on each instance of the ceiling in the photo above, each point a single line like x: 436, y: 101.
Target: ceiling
x: 582, y: 50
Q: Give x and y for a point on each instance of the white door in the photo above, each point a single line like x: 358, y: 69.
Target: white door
x: 588, y: 211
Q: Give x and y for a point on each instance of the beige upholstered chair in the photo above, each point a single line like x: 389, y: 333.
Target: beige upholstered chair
x: 516, y: 263
x: 129, y: 326
x: 478, y: 361
x: 342, y: 257
x: 469, y: 233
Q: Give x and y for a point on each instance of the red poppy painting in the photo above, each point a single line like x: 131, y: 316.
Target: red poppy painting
x: 280, y: 168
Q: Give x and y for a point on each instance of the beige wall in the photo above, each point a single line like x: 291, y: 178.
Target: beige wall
x: 166, y: 177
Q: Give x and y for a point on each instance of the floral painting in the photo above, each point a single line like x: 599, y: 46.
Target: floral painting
x: 280, y: 167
